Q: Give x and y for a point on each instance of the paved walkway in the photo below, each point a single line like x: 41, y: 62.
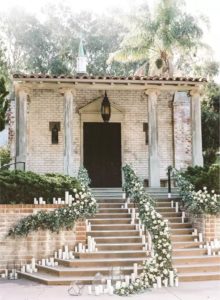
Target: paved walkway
x: 26, y: 290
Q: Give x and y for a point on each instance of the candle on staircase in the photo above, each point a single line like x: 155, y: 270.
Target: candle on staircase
x: 66, y: 197
x: 143, y: 239
x: 127, y: 279
x: 135, y: 269
x: 35, y: 201
x: 172, y: 204
x: 171, y: 278
x: 183, y: 216
x: 200, y: 237
x: 159, y: 282
x: 177, y: 207
x: 123, y: 196
x: 176, y: 281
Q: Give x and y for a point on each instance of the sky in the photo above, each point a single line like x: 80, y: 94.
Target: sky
x: 209, y: 8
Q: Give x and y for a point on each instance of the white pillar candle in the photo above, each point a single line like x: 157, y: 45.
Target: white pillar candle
x: 183, y: 216
x: 111, y: 290
x: 89, y: 289
x: 100, y: 289
x: 23, y: 269
x: 59, y: 200
x: 135, y: 269
x: 55, y: 255
x: 33, y: 263
x: 3, y: 276
x: 118, y: 284
x: 195, y: 231
x: 195, y: 240
x: 127, y: 279
x: 97, y: 293
x: 52, y: 261
x: 143, y: 239
x: 43, y: 262
x: 54, y: 200
x: 159, y: 282
x: 200, y: 237
x: 60, y: 253
x: 66, y: 197
x: 123, y: 196
x: 176, y: 282
x: 140, y: 232
x: 171, y: 203
x: 169, y: 195
x: 80, y: 247
x: 35, y: 201
x: 66, y: 249
x: 171, y: 278
x: 62, y: 202
x: 154, y: 285
x: 126, y: 205
x: 209, y: 250
x: 109, y: 283
x: 133, y: 277
x: 64, y: 255
x: 56, y: 263
x: 6, y: 272
x: 128, y: 199
x: 177, y: 207
x: 165, y: 282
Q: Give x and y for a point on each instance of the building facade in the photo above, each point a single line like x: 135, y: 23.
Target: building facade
x: 155, y: 122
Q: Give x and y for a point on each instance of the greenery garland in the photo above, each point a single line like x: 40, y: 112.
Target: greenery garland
x: 83, y: 206
x: 196, y: 202
x: 161, y: 263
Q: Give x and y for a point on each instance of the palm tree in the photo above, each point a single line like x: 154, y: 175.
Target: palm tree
x: 161, y: 39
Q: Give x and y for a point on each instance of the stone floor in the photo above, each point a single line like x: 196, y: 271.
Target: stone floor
x: 26, y: 290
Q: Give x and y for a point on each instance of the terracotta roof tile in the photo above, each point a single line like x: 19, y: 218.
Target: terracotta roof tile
x: 108, y: 77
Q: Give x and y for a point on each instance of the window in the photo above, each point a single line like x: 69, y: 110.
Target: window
x: 54, y: 127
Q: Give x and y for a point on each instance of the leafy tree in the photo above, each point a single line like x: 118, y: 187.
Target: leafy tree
x: 211, y: 122
x: 3, y: 103
x: 162, y: 38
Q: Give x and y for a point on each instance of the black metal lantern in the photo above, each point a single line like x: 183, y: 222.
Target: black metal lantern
x: 106, y: 108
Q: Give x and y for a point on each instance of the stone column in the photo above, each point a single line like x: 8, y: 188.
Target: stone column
x: 196, y: 129
x: 68, y: 132
x: 153, y: 161
x: 21, y: 127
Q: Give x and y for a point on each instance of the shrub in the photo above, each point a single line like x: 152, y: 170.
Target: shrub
x: 22, y: 187
x: 4, y: 156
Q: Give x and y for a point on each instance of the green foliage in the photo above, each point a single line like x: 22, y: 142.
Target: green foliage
x: 23, y: 187
x: 83, y: 176
x: 204, y: 198
x: 207, y: 176
x: 160, y: 38
x: 161, y: 263
x: 4, y: 156
x: 4, y: 104
x: 83, y: 206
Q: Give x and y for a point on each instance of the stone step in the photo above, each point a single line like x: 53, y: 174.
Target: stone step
x: 198, y: 268
x: 113, y: 227
x: 190, y: 277
x: 182, y: 238
x: 189, y: 252
x: 111, y: 216
x: 92, y: 271
x: 107, y: 233
x: 113, y: 262
x: 113, y: 254
x: 118, y: 240
x: 114, y: 247
x: 180, y: 231
x: 189, y: 260
x: 109, y: 221
x: 185, y: 245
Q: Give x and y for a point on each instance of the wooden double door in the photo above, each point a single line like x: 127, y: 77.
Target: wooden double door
x: 102, y: 153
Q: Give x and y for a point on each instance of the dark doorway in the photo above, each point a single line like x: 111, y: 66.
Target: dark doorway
x: 102, y: 153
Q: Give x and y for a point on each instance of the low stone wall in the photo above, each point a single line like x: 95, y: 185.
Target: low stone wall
x: 38, y: 244
x: 209, y: 225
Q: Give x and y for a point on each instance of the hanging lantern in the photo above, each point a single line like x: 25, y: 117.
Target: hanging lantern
x: 106, y: 108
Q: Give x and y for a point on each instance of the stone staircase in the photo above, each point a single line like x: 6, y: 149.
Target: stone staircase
x: 119, y: 244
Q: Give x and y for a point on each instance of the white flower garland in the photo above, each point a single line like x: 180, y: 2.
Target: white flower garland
x: 196, y: 202
x: 160, y: 265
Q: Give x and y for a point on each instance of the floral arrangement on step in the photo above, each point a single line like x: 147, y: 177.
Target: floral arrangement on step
x: 83, y: 205
x: 160, y: 264
x: 196, y: 202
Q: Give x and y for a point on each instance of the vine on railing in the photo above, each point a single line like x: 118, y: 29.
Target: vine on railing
x: 159, y: 267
